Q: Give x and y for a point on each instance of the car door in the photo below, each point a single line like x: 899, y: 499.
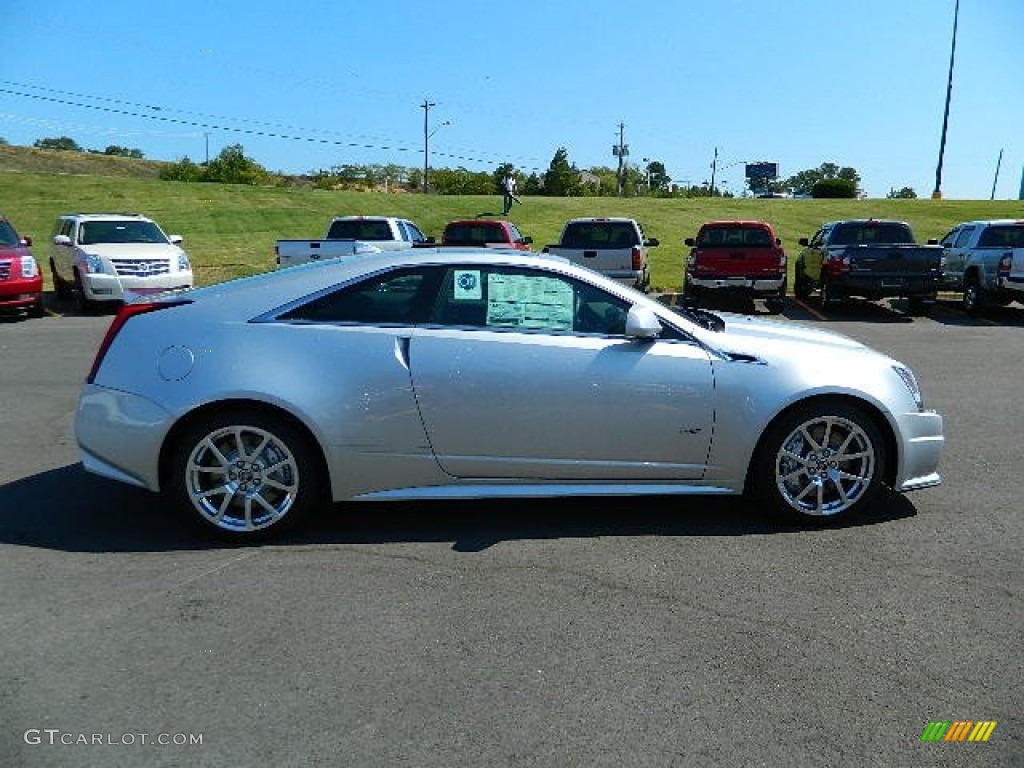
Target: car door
x: 524, y: 373
x: 957, y: 255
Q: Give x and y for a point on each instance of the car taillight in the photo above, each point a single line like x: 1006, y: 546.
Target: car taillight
x: 124, y: 314
x: 1004, y: 265
x: 838, y: 265
x: 638, y: 259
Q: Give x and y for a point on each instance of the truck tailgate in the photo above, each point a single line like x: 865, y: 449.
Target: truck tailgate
x: 893, y: 260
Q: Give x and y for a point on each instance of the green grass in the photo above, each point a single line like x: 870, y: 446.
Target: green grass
x: 230, y: 230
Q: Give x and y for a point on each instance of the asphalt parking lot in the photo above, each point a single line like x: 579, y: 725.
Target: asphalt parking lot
x: 606, y: 633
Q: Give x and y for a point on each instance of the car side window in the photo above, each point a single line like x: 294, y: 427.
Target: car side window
x: 963, y: 237
x: 818, y: 238
x: 399, y: 297
x: 512, y: 298
x: 948, y: 239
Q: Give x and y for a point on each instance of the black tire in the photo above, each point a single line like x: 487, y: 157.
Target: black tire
x: 38, y: 309
x: 918, y: 306
x: 809, y: 481
x: 83, y: 304
x: 801, y: 285
x: 974, y: 299
x: 60, y: 286
x: 775, y: 304
x: 229, y: 491
x: 830, y: 299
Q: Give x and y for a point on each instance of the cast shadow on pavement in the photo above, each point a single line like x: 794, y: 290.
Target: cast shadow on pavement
x: 68, y: 509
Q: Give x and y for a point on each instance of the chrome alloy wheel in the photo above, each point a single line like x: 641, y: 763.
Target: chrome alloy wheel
x: 825, y: 466
x: 242, y: 478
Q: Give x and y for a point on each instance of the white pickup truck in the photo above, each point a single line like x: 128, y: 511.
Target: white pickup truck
x: 984, y: 260
x: 352, y: 236
x: 616, y: 247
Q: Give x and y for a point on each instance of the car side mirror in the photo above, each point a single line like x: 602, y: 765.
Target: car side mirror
x: 527, y: 240
x: 804, y: 241
x: 61, y: 240
x: 689, y: 241
x: 933, y: 241
x: 652, y: 243
x: 175, y: 239
x: 642, y: 324
x: 26, y: 241
x: 428, y: 240
x: 778, y: 241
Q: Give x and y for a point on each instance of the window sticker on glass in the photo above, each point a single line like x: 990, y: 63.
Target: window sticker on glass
x: 529, y: 301
x: 467, y: 285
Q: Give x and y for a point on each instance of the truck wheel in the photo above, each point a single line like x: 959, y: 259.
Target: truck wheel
x: 82, y: 302
x: 820, y: 462
x: 801, y: 285
x: 830, y: 298
x: 918, y: 306
x: 60, y: 286
x: 774, y: 304
x: 974, y: 300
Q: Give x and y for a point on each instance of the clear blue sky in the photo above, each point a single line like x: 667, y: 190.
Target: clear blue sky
x: 798, y: 82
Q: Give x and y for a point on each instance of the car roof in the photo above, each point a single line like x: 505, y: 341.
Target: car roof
x: 104, y: 216
x: 736, y: 223
x: 589, y: 219
x: 993, y: 222
x: 368, y: 218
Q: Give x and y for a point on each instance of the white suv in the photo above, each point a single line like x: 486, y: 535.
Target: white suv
x: 98, y: 257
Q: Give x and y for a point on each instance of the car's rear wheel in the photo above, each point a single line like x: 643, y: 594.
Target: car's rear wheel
x: 919, y: 307
x: 801, y: 284
x: 973, y: 300
x: 245, y: 474
x: 830, y: 297
x: 821, y: 462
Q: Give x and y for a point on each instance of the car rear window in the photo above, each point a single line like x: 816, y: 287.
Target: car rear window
x: 356, y: 229
x: 600, y: 234
x: 869, y: 233
x: 473, y: 234
x: 735, y: 237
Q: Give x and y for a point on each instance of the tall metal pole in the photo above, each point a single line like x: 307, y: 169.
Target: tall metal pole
x: 714, y: 167
x: 426, y: 105
x: 937, y: 192
x: 995, y: 181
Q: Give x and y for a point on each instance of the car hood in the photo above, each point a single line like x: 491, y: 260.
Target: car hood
x: 14, y: 251
x: 765, y: 338
x: 133, y: 250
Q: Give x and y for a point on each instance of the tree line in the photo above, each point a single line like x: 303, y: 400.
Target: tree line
x: 561, y: 179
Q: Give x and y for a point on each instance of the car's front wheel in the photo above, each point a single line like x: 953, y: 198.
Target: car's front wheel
x: 821, y: 462
x: 245, y: 474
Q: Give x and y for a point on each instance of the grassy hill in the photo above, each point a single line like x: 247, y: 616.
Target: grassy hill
x: 230, y: 230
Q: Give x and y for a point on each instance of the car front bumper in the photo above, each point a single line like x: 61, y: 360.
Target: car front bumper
x: 21, y: 293
x: 104, y: 287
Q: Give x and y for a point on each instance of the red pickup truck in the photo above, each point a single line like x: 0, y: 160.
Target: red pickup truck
x: 21, y: 281
x: 737, y: 258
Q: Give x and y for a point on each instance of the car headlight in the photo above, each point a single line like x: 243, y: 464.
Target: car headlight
x: 93, y: 264
x: 911, y: 381
x: 29, y: 267
x: 183, y: 263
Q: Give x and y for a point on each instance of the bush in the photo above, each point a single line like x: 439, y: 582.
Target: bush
x: 834, y: 188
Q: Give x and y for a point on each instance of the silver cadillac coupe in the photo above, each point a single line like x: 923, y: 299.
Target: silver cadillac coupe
x: 465, y: 373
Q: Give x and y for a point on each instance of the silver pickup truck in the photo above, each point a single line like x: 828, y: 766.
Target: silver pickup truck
x: 984, y: 261
x: 615, y: 247
x: 352, y: 236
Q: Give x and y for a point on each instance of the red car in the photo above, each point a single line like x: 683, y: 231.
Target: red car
x: 485, y: 233
x: 742, y: 258
x: 21, y: 281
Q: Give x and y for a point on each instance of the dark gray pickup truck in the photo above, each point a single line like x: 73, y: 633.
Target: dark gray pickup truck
x: 871, y: 258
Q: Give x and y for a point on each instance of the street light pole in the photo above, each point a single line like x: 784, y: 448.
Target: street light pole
x: 426, y: 105
x: 937, y: 192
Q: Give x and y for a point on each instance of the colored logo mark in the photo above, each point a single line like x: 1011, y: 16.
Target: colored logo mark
x: 958, y: 730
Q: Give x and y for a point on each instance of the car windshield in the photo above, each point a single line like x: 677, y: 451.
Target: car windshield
x: 734, y: 237
x: 869, y: 233
x: 92, y: 232
x: 7, y: 234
